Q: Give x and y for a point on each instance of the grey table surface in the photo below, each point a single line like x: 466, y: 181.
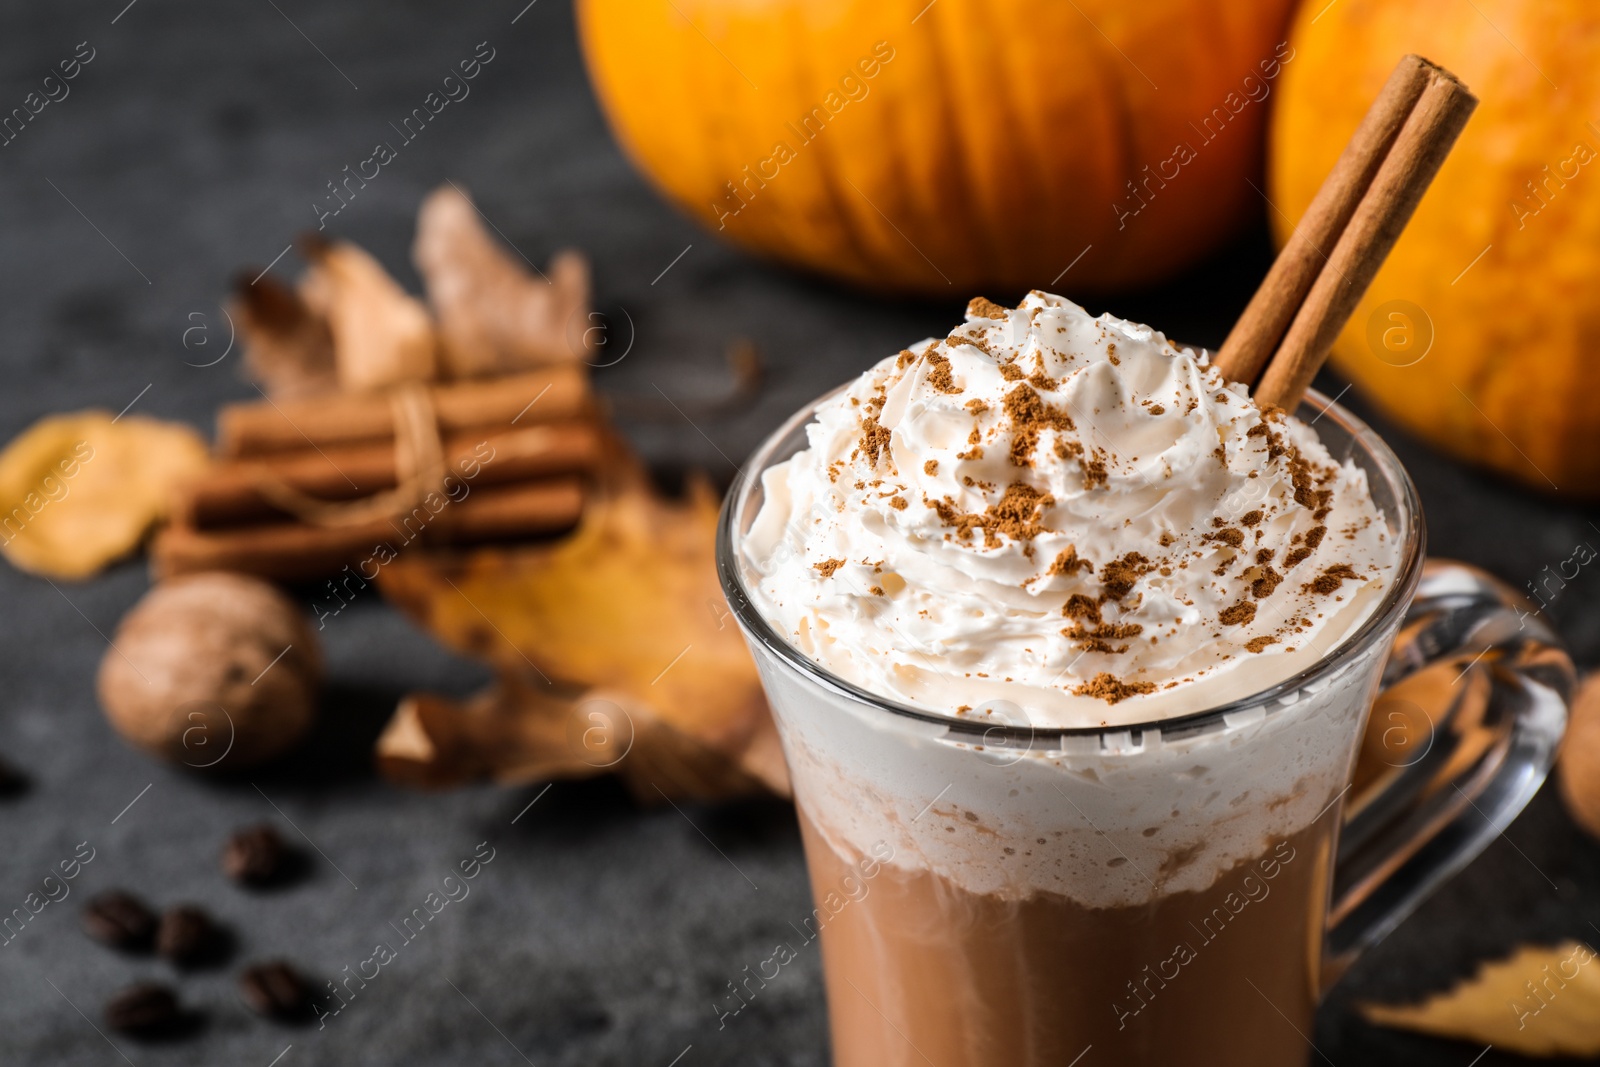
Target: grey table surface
x: 194, y: 144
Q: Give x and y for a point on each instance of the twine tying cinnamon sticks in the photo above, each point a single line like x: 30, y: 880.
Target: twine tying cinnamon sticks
x: 1348, y: 230
x: 419, y: 470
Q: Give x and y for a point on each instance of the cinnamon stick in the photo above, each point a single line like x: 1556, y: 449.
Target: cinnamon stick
x: 230, y: 493
x: 1250, y: 344
x: 1418, y: 151
x: 297, y: 551
x: 546, y: 395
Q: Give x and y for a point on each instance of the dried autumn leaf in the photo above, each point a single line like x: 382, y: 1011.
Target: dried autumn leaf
x: 626, y: 610
x: 673, y: 758
x: 381, y: 334
x: 519, y: 731
x: 78, y: 491
x: 495, y: 317
x: 1540, y: 1002
x: 512, y: 733
x: 288, y: 347
x: 1579, y: 767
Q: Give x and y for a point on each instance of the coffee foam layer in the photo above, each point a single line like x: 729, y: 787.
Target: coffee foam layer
x: 1115, y: 820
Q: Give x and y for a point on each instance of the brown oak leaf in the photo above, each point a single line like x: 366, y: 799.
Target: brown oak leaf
x: 495, y: 317
x: 288, y: 347
x: 382, y: 335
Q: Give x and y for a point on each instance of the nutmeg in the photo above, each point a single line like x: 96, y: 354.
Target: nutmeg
x: 213, y: 671
x: 1578, y: 771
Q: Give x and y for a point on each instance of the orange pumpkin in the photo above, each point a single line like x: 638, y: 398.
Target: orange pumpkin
x: 1481, y: 331
x: 952, y: 145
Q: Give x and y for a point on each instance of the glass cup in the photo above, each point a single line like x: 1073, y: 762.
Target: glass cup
x: 993, y: 894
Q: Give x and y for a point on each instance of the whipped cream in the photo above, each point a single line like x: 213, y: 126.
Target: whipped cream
x: 1063, y: 519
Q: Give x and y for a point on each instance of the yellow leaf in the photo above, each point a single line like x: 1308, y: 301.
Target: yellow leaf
x: 78, y: 491
x: 1540, y: 1002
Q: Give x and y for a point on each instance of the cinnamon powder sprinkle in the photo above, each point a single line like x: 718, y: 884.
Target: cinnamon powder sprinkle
x: 1330, y: 580
x: 1296, y: 555
x: 1230, y: 537
x: 1250, y: 518
x: 1094, y: 471
x: 966, y: 339
x: 898, y: 503
x: 1070, y: 563
x: 1082, y: 607
x: 1300, y: 475
x: 1018, y: 514
x: 1099, y: 639
x: 1029, y: 417
x: 983, y: 308
x: 1275, y: 445
x: 1256, y: 644
x: 1118, y: 576
x: 1111, y: 689
x: 1239, y: 614
x: 1011, y: 372
x: 976, y: 406
x: 828, y: 566
x: 874, y: 439
x: 1263, y: 586
x: 939, y: 375
x: 931, y: 467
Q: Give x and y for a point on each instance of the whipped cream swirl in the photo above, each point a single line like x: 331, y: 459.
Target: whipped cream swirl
x: 1067, y: 513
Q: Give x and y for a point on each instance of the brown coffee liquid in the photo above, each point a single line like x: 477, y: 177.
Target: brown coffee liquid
x: 921, y: 973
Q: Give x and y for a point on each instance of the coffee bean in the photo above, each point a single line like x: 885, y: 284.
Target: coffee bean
x: 276, y: 990
x: 146, y: 1008
x: 255, y: 856
x: 120, y: 920
x: 12, y: 781
x: 187, y: 936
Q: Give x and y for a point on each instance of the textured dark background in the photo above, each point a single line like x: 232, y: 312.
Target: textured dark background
x: 193, y: 145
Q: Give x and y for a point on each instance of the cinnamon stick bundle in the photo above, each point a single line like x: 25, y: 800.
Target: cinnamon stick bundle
x: 231, y: 493
x: 289, y: 551
x: 550, y: 394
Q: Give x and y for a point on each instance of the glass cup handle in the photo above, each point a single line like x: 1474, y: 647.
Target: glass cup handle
x: 1471, y: 711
